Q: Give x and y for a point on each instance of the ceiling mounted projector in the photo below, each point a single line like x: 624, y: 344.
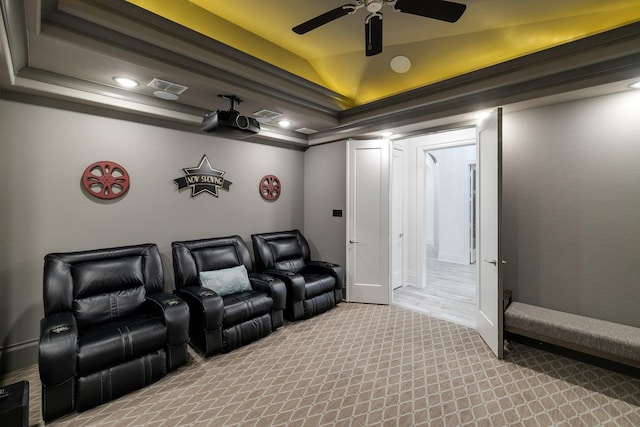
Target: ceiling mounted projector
x: 230, y: 123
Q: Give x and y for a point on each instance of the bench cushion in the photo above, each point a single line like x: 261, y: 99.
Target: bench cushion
x: 579, y: 331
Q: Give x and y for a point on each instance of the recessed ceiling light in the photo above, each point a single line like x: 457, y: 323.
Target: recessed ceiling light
x: 635, y: 85
x: 162, y: 94
x: 386, y: 134
x: 125, y: 81
x: 284, y: 123
x: 480, y: 115
x: 400, y: 64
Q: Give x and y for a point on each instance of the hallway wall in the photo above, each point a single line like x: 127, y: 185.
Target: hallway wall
x: 417, y: 222
x: 453, y: 202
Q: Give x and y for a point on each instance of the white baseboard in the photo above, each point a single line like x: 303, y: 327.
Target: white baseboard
x: 457, y: 259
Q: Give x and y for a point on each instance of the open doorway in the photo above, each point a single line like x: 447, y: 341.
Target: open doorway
x: 446, y: 275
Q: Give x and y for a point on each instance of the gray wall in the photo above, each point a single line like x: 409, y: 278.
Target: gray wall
x: 43, y: 153
x: 571, y: 215
x: 572, y: 203
x: 325, y: 177
x: 572, y: 207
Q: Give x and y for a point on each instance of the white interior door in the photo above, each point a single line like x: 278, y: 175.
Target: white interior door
x: 398, y: 189
x: 368, y: 261
x: 489, y: 317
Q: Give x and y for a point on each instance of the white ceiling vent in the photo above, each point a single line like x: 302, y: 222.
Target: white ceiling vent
x: 166, y: 86
x: 267, y: 115
x: 306, y: 131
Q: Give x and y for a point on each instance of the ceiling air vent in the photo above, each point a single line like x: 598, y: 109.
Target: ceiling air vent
x: 306, y: 131
x: 265, y: 116
x: 166, y: 86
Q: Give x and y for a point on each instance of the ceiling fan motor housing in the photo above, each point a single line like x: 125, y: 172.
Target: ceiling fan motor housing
x: 374, y: 6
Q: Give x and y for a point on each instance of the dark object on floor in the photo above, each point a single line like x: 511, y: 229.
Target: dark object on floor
x: 237, y: 306
x: 14, y: 405
x: 313, y: 287
x: 109, y: 327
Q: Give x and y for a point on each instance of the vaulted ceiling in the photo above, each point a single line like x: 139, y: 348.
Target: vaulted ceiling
x: 499, y: 52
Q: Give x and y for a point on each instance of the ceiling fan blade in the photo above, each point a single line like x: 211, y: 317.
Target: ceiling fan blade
x: 437, y: 9
x: 325, y: 18
x: 373, y: 34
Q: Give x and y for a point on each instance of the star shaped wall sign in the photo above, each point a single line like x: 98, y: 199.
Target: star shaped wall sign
x: 203, y: 179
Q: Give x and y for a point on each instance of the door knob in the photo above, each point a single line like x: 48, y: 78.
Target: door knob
x: 352, y: 241
x: 493, y: 261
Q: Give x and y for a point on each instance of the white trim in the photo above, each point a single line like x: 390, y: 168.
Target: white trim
x: 6, y: 64
x: 402, y: 147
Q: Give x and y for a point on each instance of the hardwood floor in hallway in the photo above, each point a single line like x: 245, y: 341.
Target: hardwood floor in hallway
x: 450, y: 293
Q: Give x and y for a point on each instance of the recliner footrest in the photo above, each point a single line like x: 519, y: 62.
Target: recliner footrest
x: 246, y: 332
x: 111, y: 383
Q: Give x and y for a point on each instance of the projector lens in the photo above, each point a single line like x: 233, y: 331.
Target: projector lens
x: 242, y: 122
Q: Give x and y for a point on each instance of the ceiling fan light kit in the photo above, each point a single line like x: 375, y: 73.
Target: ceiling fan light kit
x: 442, y: 10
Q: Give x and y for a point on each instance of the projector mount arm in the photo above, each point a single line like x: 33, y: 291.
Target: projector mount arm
x: 234, y: 100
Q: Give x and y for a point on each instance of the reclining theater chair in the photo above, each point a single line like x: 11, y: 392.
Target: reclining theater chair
x: 230, y: 306
x: 109, y: 327
x: 313, y: 287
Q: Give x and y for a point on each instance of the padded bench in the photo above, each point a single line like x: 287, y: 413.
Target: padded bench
x: 607, y: 340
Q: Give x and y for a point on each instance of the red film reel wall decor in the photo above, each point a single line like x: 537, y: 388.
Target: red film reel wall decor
x: 270, y: 187
x: 105, y: 180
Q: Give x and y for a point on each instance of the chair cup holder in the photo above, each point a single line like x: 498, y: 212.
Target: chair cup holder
x: 61, y: 329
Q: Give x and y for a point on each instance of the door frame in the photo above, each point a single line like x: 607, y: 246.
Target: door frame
x: 472, y: 211
x: 399, y: 146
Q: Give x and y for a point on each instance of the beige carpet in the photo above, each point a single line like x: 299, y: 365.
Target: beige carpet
x: 367, y: 365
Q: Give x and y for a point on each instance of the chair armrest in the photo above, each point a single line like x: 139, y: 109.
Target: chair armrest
x: 205, y: 303
x: 292, y: 280
x: 271, y: 286
x: 175, y: 313
x: 327, y: 268
x: 58, y: 348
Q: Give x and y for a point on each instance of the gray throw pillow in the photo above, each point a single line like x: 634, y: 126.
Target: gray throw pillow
x: 227, y: 280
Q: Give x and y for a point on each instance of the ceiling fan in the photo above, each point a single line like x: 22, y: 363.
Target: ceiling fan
x: 441, y: 10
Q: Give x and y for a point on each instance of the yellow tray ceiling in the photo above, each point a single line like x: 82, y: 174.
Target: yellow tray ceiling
x: 489, y: 32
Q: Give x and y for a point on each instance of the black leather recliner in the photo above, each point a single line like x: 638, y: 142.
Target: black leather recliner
x: 109, y: 327
x: 313, y: 287
x: 222, y: 322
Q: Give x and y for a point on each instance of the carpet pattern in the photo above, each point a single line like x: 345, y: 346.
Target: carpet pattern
x: 368, y: 365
